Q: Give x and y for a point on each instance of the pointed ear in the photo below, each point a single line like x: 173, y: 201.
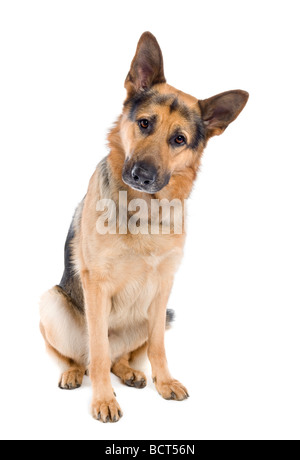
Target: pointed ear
x: 219, y: 111
x: 147, y: 67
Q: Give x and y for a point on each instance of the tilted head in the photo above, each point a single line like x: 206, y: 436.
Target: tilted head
x: 164, y: 130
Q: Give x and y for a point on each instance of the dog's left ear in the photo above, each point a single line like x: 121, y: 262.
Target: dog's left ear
x: 219, y: 111
x: 147, y: 67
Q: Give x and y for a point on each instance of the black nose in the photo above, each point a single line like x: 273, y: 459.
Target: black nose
x: 144, y: 174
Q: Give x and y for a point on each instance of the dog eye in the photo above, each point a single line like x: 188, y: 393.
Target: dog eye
x: 144, y: 124
x: 180, y: 140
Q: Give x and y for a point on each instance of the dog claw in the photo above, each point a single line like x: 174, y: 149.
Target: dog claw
x: 106, y: 411
x: 136, y: 381
x: 172, y: 390
x: 140, y: 383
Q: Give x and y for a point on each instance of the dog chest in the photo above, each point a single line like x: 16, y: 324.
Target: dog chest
x: 132, y: 302
x: 141, y: 285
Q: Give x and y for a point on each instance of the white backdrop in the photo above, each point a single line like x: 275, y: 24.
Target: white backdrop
x: 235, y: 343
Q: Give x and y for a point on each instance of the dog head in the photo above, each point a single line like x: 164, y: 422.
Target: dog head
x: 164, y: 130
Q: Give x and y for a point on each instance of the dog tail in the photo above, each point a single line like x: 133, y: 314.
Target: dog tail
x: 170, y: 318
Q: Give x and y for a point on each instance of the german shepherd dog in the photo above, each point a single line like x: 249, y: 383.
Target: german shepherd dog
x: 111, y: 303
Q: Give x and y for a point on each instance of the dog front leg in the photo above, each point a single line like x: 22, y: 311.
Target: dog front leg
x: 166, y: 386
x: 105, y: 407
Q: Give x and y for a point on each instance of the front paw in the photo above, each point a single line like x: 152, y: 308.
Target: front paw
x: 106, y: 411
x: 171, y: 390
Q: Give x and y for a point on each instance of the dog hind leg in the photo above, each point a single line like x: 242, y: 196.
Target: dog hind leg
x: 65, y: 336
x: 126, y: 373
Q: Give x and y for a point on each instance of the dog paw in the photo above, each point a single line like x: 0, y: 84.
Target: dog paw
x: 172, y: 390
x: 71, y: 380
x: 107, y: 411
x: 135, y: 379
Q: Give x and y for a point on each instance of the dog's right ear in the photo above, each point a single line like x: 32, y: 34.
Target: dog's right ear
x: 147, y: 67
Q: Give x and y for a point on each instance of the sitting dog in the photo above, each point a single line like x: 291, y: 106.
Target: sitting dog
x: 111, y: 303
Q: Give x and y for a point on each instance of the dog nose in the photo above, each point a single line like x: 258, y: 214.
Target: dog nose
x: 144, y: 174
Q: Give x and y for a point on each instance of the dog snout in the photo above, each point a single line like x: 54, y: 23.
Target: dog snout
x: 143, y: 174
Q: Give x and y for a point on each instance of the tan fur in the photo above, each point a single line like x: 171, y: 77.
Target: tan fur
x: 129, y: 376
x: 127, y: 279
x: 57, y: 316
